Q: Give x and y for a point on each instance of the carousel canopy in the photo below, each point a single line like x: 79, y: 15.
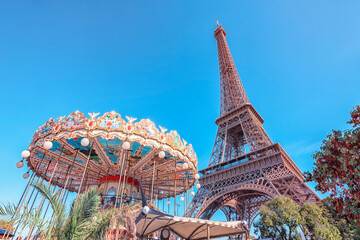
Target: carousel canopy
x: 112, y: 146
x: 187, y: 228
x: 151, y: 220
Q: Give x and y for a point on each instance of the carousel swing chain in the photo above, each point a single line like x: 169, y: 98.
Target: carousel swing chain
x: 43, y: 198
x: 125, y: 177
x: 119, y: 183
x: 27, y: 191
x: 86, y: 166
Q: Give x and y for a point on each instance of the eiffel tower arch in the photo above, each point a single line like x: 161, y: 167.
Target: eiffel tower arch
x: 246, y: 168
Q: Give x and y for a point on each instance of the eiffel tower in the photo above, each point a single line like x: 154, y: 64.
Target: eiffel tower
x: 246, y: 168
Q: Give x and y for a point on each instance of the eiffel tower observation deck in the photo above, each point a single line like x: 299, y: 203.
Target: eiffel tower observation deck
x: 246, y: 168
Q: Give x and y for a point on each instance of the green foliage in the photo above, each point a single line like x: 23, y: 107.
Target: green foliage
x: 348, y: 231
x: 317, y: 224
x: 281, y: 218
x: 26, y: 217
x: 337, y: 169
x: 85, y: 219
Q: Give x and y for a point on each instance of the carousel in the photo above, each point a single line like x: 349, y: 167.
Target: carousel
x: 117, y: 156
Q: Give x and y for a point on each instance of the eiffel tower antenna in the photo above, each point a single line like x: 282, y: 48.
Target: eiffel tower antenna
x: 246, y: 168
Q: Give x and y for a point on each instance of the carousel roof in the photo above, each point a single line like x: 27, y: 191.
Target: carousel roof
x: 106, y: 134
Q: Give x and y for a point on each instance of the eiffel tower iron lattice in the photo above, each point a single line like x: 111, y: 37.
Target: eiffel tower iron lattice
x: 246, y: 168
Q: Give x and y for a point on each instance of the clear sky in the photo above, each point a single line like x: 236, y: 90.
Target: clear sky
x: 299, y: 63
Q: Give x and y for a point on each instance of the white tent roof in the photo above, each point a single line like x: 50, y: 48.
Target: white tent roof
x: 188, y: 228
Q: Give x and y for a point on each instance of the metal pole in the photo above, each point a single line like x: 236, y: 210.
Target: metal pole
x: 125, y: 178
x: 68, y: 175
x: 118, y: 186
x: 67, y: 193
x: 152, y: 183
x: 208, y: 232
x: 43, y: 198
x: 82, y: 179
x: 175, y: 190
x: 18, y: 208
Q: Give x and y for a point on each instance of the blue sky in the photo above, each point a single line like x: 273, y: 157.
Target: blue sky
x: 299, y: 63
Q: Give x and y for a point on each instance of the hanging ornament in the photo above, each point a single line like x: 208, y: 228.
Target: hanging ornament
x: 20, y: 164
x: 161, y: 154
x: 25, y: 154
x: 146, y: 210
x: 84, y: 142
x: 48, y: 145
x: 126, y: 145
x: 26, y: 175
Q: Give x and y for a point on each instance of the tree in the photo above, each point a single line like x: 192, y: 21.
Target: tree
x: 316, y: 224
x: 348, y: 231
x: 85, y: 219
x: 337, y: 169
x: 281, y: 218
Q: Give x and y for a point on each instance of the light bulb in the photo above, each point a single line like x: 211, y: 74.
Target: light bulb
x: 192, y: 193
x: 198, y: 185
x: 168, y: 202
x: 185, y: 166
x: 197, y: 176
x: 182, y: 198
x: 84, y: 142
x: 161, y: 154
x: 26, y: 175
x: 48, y: 145
x: 146, y: 210
x: 20, y: 164
x: 25, y: 154
x: 126, y: 145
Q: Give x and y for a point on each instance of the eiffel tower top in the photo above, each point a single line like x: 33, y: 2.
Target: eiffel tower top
x: 233, y: 94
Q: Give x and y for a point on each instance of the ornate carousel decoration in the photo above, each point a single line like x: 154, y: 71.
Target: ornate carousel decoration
x: 77, y: 152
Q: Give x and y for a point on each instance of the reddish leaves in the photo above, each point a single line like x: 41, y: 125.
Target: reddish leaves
x: 337, y: 169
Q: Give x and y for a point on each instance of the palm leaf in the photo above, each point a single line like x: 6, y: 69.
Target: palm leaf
x: 83, y: 209
x: 99, y: 225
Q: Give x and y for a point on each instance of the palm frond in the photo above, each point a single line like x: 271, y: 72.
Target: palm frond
x: 83, y: 209
x: 99, y: 225
x: 7, y: 211
x: 57, y: 206
x: 54, y: 200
